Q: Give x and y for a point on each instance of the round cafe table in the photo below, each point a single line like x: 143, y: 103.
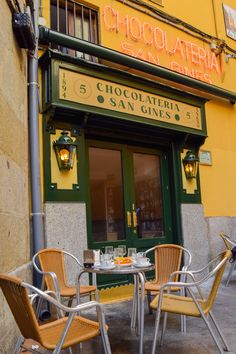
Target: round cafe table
x: 137, y: 316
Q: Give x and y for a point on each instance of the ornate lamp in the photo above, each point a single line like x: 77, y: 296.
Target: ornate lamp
x: 190, y: 163
x: 65, y: 148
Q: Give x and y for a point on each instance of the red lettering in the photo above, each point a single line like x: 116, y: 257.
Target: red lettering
x: 135, y: 28
x: 202, y: 56
x: 178, y: 47
x: 159, y: 38
x: 123, y: 23
x: 110, y: 17
x: 147, y: 29
x: 213, y: 63
x: 127, y: 48
x: 194, y: 54
x: 152, y: 59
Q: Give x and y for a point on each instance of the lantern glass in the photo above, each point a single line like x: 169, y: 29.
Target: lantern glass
x: 64, y: 155
x: 190, y: 163
x: 65, y: 148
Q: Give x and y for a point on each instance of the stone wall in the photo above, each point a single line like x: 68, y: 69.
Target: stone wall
x: 14, y: 189
x: 65, y: 228
x: 201, y: 234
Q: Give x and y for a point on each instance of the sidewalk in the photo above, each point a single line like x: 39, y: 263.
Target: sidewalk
x: 196, y: 341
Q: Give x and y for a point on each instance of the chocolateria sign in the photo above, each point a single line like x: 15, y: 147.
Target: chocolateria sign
x: 95, y: 92
x: 146, y: 38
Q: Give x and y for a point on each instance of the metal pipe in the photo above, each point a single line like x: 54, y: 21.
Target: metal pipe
x: 33, y: 107
x: 47, y: 35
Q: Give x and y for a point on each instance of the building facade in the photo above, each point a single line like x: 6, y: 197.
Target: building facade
x: 137, y: 85
x: 133, y: 96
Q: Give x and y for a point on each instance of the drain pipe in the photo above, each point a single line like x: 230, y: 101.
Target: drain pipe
x: 33, y: 107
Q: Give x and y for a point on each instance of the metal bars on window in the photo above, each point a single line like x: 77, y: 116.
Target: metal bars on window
x: 74, y: 19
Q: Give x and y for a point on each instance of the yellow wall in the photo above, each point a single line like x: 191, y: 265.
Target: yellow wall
x: 218, y: 185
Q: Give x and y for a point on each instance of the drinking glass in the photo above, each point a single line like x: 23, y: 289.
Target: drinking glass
x: 117, y: 252
x: 123, y: 249
x: 109, y: 250
x: 132, y: 252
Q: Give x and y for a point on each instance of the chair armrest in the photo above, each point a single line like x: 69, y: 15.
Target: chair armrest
x: 191, y: 274
x: 45, y: 296
x: 44, y: 274
x: 181, y: 272
x: 74, y: 258
x: 150, y: 250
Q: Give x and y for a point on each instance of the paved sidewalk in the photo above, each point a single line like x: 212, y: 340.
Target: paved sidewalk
x: 196, y: 341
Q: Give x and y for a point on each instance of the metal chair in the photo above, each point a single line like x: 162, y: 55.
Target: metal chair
x: 168, y: 259
x: 52, y: 268
x: 57, y: 335
x: 229, y: 243
x: 192, y: 305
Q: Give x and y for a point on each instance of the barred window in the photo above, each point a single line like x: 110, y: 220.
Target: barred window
x: 74, y: 19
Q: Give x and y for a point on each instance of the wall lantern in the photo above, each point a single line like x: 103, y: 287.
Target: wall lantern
x: 190, y: 163
x: 65, y: 149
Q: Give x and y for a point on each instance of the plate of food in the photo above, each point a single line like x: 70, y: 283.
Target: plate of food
x: 123, y: 261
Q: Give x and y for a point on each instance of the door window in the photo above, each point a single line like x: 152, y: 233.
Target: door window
x: 106, y: 191
x: 148, y: 195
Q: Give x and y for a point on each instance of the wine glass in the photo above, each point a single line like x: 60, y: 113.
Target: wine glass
x: 123, y: 250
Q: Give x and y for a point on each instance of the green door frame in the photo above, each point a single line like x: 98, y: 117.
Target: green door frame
x: 131, y: 239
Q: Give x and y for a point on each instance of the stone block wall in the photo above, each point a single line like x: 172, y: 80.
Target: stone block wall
x: 14, y: 175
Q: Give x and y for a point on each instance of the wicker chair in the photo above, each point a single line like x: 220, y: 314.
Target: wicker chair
x: 59, y: 334
x: 229, y: 243
x: 193, y: 305
x: 52, y: 268
x: 168, y: 258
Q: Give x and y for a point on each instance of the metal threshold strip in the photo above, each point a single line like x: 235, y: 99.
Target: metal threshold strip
x: 47, y: 35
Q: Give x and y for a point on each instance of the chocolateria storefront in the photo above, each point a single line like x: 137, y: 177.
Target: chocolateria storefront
x: 127, y: 183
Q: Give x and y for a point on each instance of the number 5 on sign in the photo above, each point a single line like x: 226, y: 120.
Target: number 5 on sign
x: 82, y: 88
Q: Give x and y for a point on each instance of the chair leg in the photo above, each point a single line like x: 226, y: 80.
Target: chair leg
x: 205, y: 319
x: 105, y: 341
x: 157, y: 323
x: 233, y: 265
x: 149, y: 299
x: 183, y: 324
x: 164, y: 327
x: 134, y: 305
x: 20, y: 341
x: 226, y: 347
x: 70, y: 302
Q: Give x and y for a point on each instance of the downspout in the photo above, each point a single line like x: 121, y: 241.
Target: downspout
x: 33, y: 107
x: 47, y: 35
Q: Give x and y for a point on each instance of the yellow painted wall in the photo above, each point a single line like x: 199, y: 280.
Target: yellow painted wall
x: 218, y: 185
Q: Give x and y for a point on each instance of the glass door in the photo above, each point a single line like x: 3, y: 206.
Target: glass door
x: 129, y: 200
x: 150, y: 199
x: 106, y: 195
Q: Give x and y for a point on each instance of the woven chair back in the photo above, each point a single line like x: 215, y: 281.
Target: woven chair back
x: 218, y: 276
x: 21, y: 308
x: 167, y: 260
x: 52, y: 260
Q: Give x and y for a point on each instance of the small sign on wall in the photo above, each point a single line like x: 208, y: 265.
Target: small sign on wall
x: 230, y: 21
x: 205, y: 157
